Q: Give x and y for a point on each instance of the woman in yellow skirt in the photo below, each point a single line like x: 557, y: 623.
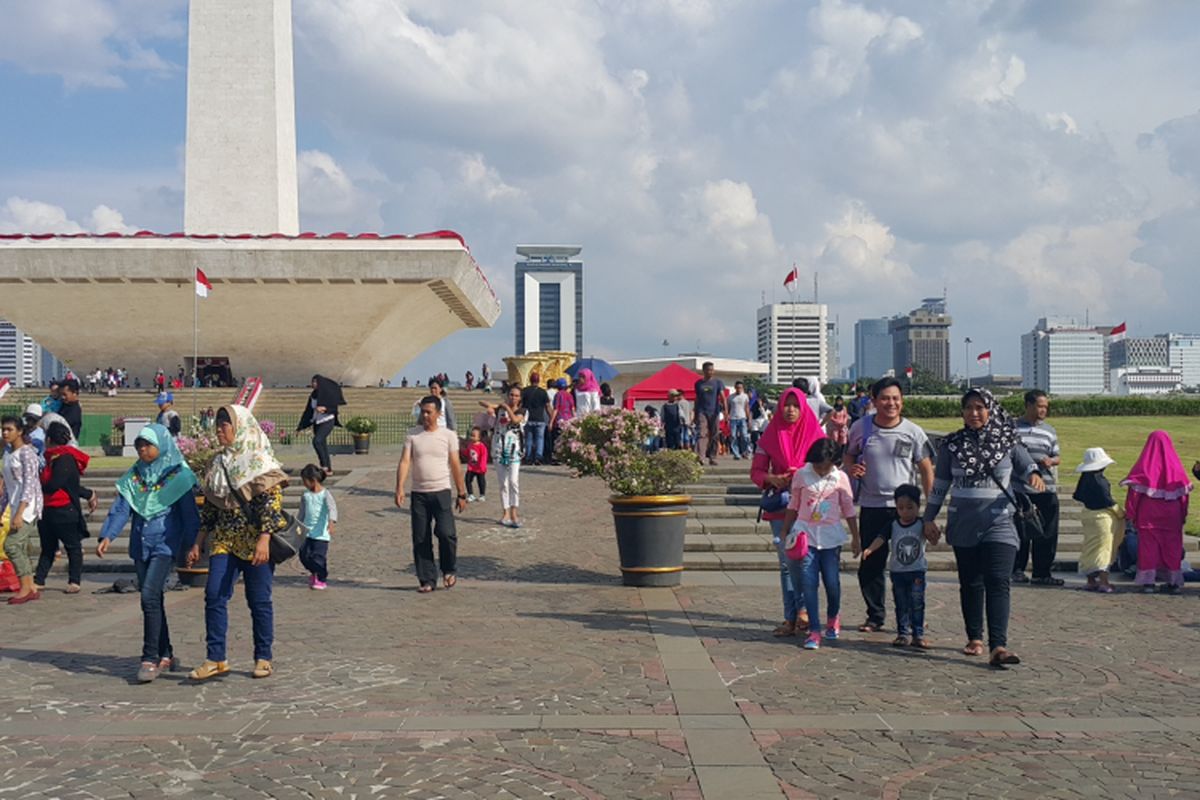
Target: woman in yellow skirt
x: 1102, y: 520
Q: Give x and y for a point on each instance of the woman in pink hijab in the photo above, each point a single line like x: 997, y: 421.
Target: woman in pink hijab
x: 587, y: 393
x: 1157, y: 505
x: 781, y: 451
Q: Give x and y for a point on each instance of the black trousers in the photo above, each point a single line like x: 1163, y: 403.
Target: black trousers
x: 320, y: 435
x: 984, y: 575
x: 59, y: 525
x: 433, y: 515
x: 314, y: 555
x: 479, y: 478
x: 1045, y: 549
x: 871, y: 578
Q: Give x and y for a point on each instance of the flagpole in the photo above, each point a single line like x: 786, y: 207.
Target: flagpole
x: 195, y: 344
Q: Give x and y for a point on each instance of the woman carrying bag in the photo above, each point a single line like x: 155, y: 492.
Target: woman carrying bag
x: 321, y: 414
x: 243, y: 492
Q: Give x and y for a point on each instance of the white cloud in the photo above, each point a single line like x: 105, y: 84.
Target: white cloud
x: 89, y: 43
x: 19, y: 215
x: 329, y: 197
x: 477, y: 176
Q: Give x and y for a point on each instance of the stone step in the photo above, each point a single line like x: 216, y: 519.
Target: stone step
x: 939, y: 561
x: 761, y: 542
x: 748, y: 525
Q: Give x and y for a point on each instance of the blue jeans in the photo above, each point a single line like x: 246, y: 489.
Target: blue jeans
x: 535, y: 439
x: 739, y: 438
x: 793, y: 601
x: 825, y: 566
x: 152, y: 577
x: 223, y: 571
x: 908, y: 590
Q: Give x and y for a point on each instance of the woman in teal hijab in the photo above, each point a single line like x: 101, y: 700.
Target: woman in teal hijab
x: 156, y: 495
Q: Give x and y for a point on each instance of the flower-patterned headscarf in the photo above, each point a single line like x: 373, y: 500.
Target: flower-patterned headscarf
x: 249, y: 463
x: 979, y: 451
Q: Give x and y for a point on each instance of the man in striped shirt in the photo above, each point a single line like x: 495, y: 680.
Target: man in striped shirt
x: 1041, y: 440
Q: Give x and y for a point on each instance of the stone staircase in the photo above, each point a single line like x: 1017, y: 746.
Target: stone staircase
x: 722, y: 533
x: 102, y: 482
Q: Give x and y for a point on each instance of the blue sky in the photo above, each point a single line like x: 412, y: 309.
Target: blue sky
x: 1033, y: 158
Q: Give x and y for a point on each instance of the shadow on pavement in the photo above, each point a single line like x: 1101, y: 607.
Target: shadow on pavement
x: 123, y: 667
x: 487, y: 568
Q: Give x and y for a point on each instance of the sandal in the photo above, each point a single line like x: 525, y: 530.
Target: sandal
x: 449, y: 580
x: 262, y: 669
x: 72, y: 588
x: 147, y: 672
x: 973, y: 648
x: 900, y: 641
x: 801, y: 621
x: 870, y: 627
x: 1001, y: 658
x: 170, y: 664
x: 209, y: 669
x: 425, y: 588
x: 921, y: 643
x: 785, y: 628
x: 1048, y: 581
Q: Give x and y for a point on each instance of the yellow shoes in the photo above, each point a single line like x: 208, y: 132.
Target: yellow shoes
x: 209, y: 669
x: 262, y: 669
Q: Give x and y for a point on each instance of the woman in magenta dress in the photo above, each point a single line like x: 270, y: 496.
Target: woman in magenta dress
x: 1157, y: 505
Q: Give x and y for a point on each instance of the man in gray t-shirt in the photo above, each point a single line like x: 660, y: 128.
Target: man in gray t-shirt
x: 884, y: 451
x: 1041, y: 440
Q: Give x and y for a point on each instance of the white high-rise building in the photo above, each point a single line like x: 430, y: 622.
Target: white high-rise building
x: 793, y: 340
x: 1060, y: 356
x: 1183, y: 353
x: 20, y: 356
x: 549, y: 284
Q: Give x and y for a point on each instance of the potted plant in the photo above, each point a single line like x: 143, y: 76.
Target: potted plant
x: 111, y: 444
x: 649, y: 517
x: 361, y: 429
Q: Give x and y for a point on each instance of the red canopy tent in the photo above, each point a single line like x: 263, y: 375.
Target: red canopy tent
x: 657, y: 385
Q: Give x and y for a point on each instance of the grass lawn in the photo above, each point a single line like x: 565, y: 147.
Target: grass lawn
x: 1122, y: 437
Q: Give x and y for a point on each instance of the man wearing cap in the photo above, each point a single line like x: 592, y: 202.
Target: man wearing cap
x: 168, y: 417
x: 1041, y: 440
x: 672, y: 421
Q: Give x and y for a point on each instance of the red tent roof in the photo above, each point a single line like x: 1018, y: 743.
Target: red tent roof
x: 657, y: 385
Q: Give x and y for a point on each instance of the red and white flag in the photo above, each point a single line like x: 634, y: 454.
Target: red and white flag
x: 791, y: 280
x: 5, y: 385
x: 1117, y: 333
x: 908, y: 372
x: 984, y: 358
x: 203, y: 287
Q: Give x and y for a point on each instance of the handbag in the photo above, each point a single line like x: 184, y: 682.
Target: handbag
x: 774, y: 500
x: 282, y: 548
x: 795, y: 546
x: 1026, y: 516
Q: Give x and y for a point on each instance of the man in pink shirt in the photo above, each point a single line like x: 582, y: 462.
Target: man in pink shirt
x: 431, y: 456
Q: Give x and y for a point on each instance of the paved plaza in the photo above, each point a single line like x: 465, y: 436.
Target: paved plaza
x: 540, y: 676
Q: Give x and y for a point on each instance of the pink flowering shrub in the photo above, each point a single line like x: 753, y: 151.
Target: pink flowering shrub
x: 610, y: 445
x: 199, y: 447
x: 268, y: 427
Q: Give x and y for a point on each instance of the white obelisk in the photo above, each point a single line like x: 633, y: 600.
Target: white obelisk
x: 241, y: 119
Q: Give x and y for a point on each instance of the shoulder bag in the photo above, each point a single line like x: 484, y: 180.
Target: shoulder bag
x: 282, y: 548
x: 1025, y: 514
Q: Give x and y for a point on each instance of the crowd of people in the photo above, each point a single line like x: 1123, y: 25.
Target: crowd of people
x: 996, y: 476
x: 854, y: 474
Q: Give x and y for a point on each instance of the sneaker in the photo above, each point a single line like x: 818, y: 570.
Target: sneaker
x: 515, y: 524
x: 833, y: 628
x: 147, y: 672
x: 1020, y: 577
x: 813, y: 642
x: 312, y: 579
x: 1147, y: 589
x: 470, y: 498
x: 320, y: 585
x: 481, y: 498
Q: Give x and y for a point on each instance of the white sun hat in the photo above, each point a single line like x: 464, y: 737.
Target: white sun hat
x: 1094, y: 460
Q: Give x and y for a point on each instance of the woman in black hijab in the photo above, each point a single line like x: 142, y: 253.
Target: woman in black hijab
x: 321, y: 413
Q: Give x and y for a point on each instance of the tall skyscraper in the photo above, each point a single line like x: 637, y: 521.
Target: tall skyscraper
x: 1183, y: 352
x: 21, y: 358
x: 921, y: 339
x: 1060, y: 356
x: 549, y: 299
x: 793, y: 340
x: 872, y: 348
x: 833, y: 362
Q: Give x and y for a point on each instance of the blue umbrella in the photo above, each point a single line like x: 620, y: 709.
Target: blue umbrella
x: 603, y: 370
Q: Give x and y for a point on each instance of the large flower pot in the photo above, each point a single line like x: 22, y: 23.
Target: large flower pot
x: 362, y: 443
x: 650, y: 533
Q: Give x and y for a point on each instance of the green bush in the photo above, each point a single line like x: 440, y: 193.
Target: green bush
x: 361, y: 425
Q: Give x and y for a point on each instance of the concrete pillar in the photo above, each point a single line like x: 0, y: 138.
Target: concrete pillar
x: 241, y: 119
